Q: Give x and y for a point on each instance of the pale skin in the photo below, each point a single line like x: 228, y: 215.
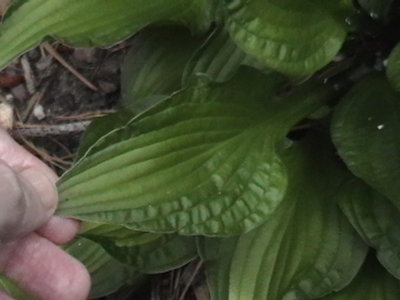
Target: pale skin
x: 29, y: 233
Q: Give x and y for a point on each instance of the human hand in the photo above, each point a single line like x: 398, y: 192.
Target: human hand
x: 28, y: 198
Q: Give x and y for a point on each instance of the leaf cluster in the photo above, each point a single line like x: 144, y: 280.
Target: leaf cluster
x: 259, y: 135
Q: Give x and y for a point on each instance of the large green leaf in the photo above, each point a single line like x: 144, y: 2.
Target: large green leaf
x: 202, y: 162
x: 107, y: 274
x: 100, y: 127
x: 219, y: 59
x: 376, y: 220
x: 154, y: 66
x: 393, y: 68
x: 93, y: 23
x: 305, y: 250
x: 372, y: 283
x: 291, y: 36
x: 147, y: 252
x: 13, y: 290
x: 365, y: 129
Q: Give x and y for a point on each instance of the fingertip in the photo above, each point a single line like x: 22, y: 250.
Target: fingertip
x: 59, y: 230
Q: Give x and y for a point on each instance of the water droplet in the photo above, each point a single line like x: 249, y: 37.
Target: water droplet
x: 380, y: 126
x: 374, y: 15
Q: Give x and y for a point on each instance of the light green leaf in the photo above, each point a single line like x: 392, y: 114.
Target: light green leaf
x: 219, y: 59
x: 376, y: 219
x: 365, y: 130
x: 290, y: 36
x: 93, y: 23
x: 305, y: 250
x: 372, y: 283
x: 107, y: 274
x: 149, y: 253
x: 12, y: 289
x: 154, y: 66
x: 202, y: 162
x: 393, y: 68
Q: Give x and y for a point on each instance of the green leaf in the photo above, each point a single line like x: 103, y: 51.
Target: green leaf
x: 219, y: 59
x: 149, y: 253
x: 98, y: 128
x: 376, y: 219
x: 372, y: 283
x: 377, y: 9
x: 305, y: 250
x: 393, y: 68
x: 365, y: 130
x: 107, y: 274
x: 154, y: 66
x: 13, y: 290
x: 290, y: 36
x: 202, y: 162
x: 93, y: 23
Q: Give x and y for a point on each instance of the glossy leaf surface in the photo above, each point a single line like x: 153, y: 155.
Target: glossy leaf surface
x: 290, y: 36
x: 202, y: 162
x: 366, y: 130
x: 305, y: 250
x: 376, y: 219
x: 93, y: 23
x: 13, y: 290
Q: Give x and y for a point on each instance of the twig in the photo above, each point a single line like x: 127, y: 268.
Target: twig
x: 33, y: 101
x: 68, y: 66
x: 45, y: 130
x: 191, y: 279
x: 28, y: 74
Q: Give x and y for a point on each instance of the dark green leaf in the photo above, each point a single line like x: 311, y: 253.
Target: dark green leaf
x: 393, y: 68
x: 154, y: 66
x: 372, y: 283
x: 107, y: 274
x: 202, y: 162
x: 377, y: 9
x: 291, y: 36
x: 365, y: 129
x: 93, y: 23
x: 147, y: 252
x: 99, y: 128
x: 219, y: 59
x: 376, y: 219
x: 305, y: 250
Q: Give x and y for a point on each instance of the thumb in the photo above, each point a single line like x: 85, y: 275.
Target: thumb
x: 27, y: 200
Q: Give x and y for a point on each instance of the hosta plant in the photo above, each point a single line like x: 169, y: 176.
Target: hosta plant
x: 260, y: 136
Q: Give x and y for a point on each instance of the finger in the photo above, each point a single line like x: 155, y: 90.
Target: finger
x: 27, y: 201
x: 44, y: 270
x: 59, y: 230
x: 19, y: 158
x: 4, y: 296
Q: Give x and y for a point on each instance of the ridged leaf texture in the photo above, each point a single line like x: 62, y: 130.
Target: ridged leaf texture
x: 202, y: 162
x: 290, y: 36
x: 305, y: 250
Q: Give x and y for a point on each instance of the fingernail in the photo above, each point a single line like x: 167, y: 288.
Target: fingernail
x: 42, y: 185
